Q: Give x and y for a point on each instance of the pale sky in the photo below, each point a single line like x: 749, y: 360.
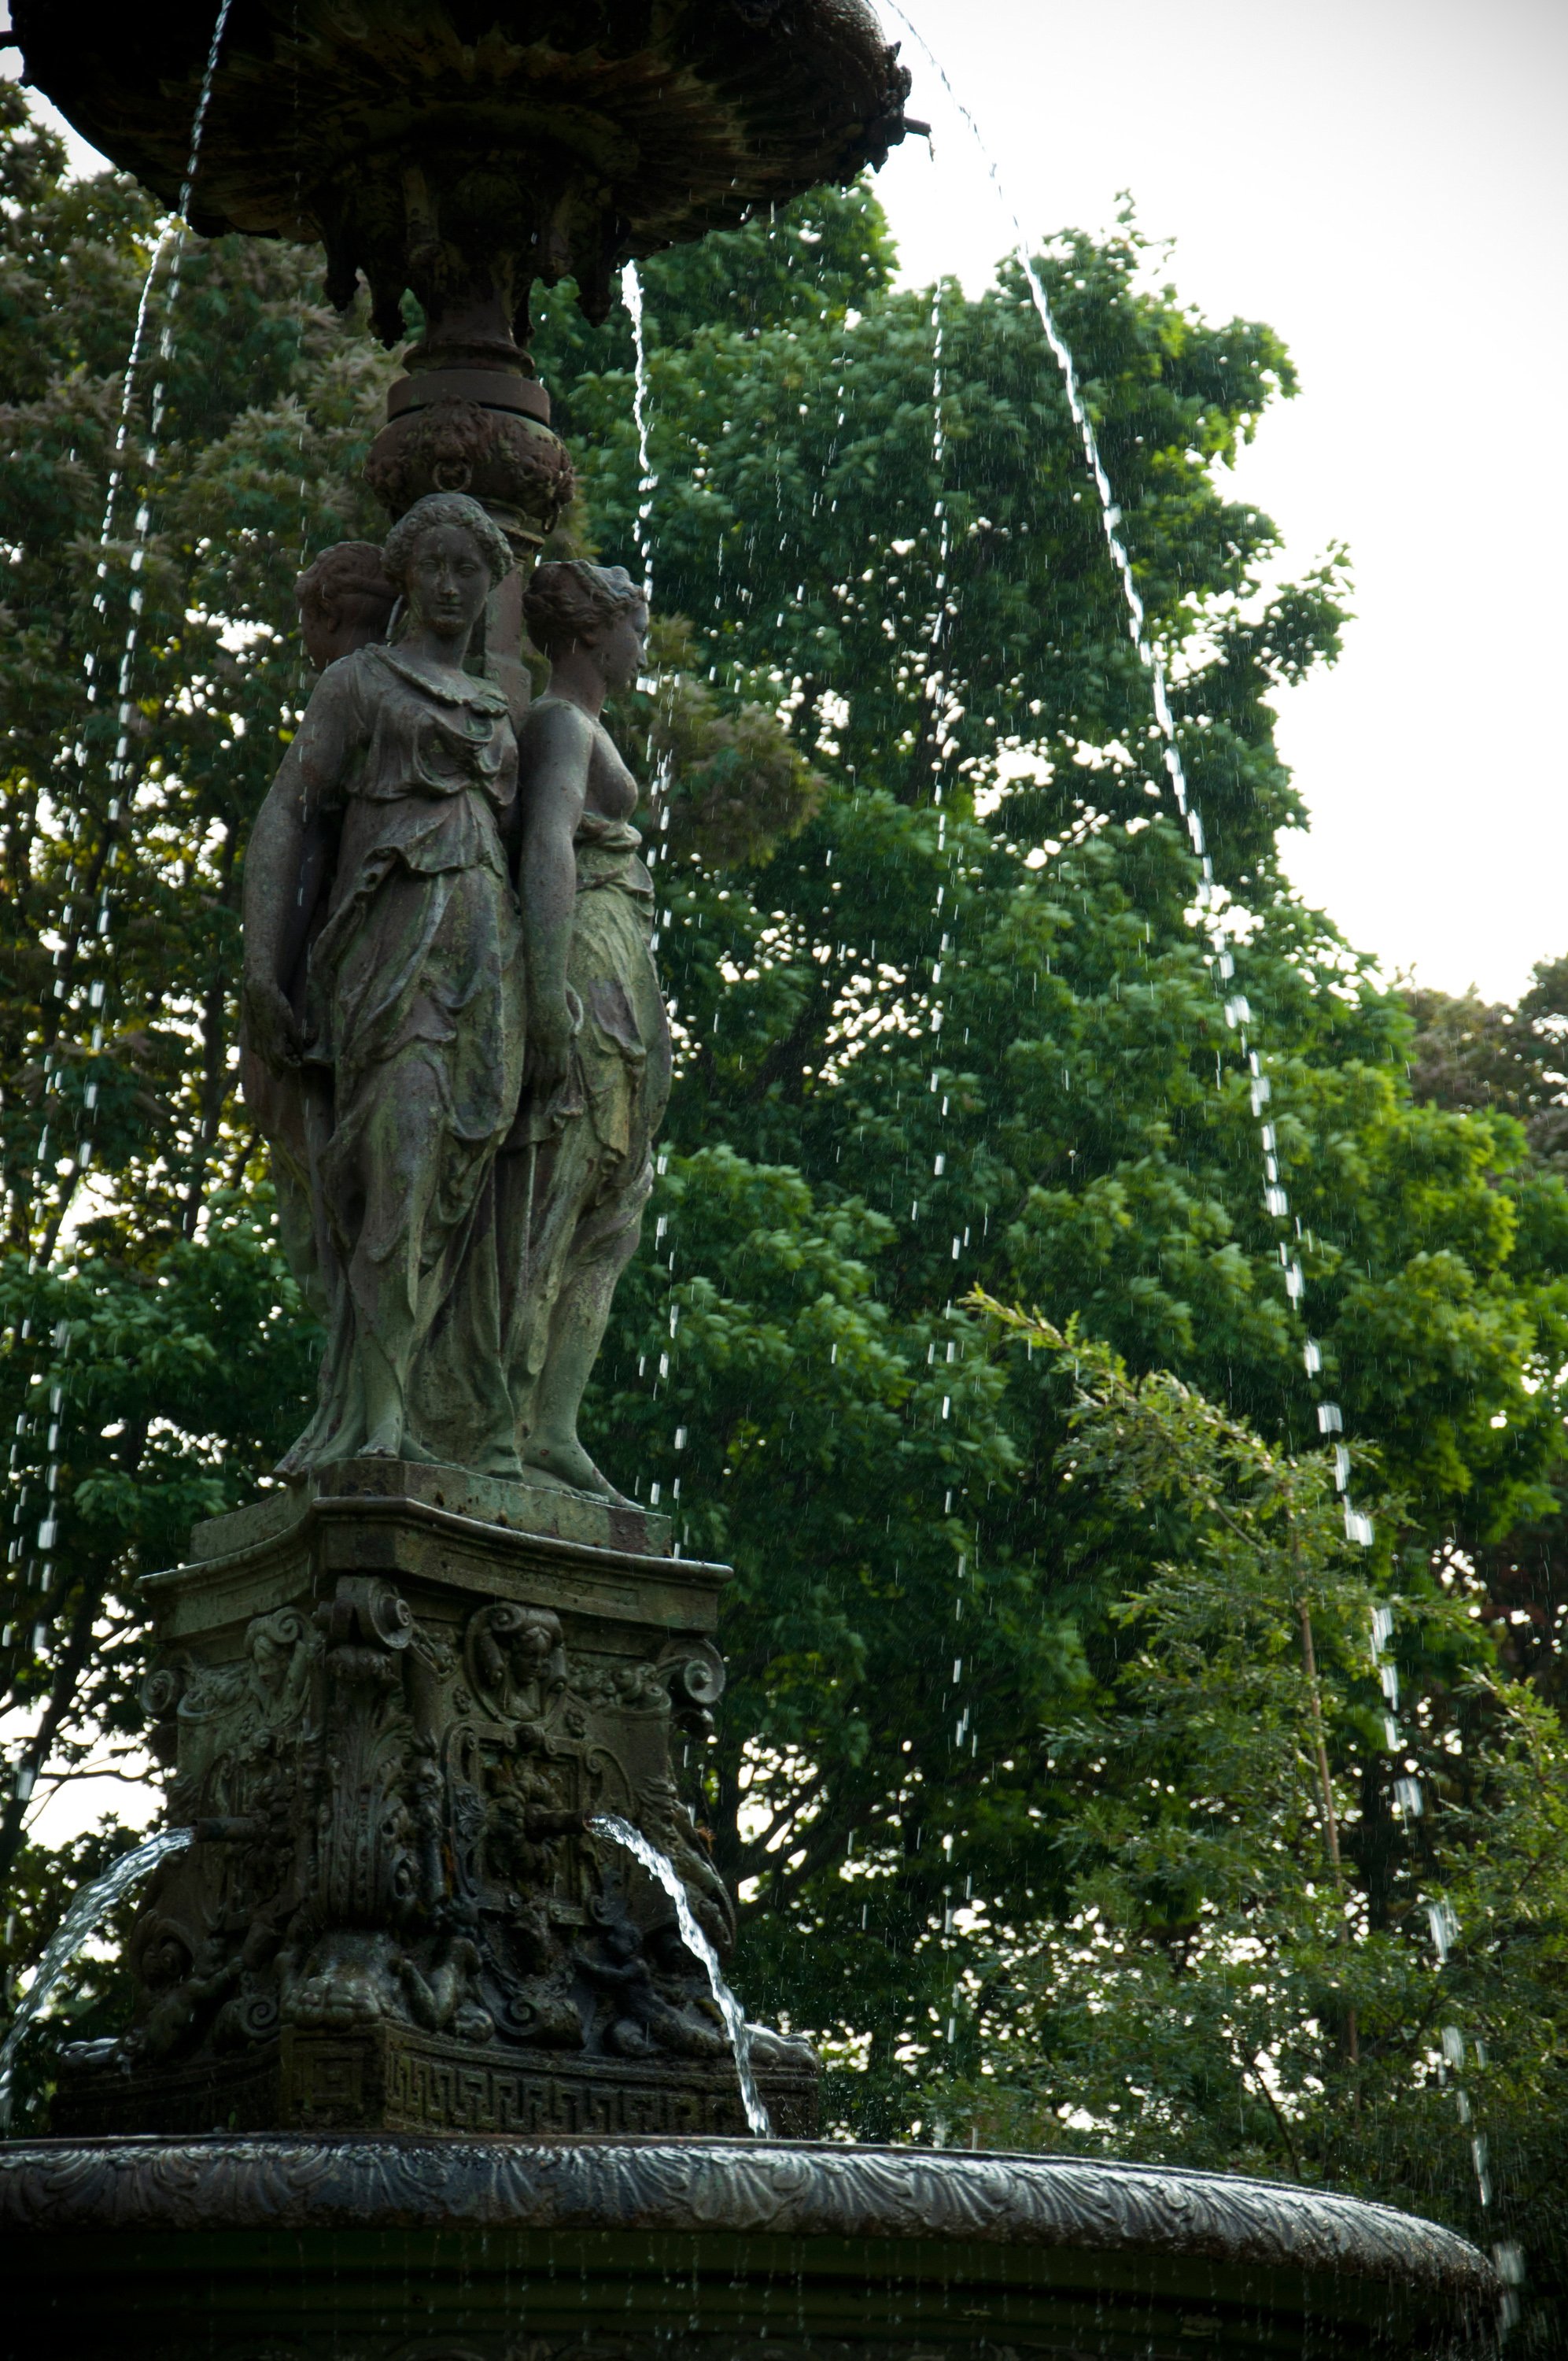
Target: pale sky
x: 1386, y: 183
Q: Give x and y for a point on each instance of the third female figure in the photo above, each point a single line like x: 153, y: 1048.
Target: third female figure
x: 598, y: 1044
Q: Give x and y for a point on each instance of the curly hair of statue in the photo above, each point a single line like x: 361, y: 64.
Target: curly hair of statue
x: 436, y: 509
x: 349, y: 570
x: 569, y: 601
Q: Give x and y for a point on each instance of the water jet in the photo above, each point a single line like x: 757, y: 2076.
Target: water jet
x: 421, y: 2063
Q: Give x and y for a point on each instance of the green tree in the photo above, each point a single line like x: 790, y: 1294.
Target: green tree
x: 155, y: 1352
x: 1468, y: 1053
x: 942, y: 1020
x: 1309, y: 1930
x: 965, y: 998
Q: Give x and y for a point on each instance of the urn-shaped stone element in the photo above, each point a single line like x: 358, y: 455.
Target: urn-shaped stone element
x: 466, y: 147
x: 392, y: 1699
x: 468, y: 430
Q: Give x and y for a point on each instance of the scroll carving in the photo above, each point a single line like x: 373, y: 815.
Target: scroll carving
x: 392, y: 1842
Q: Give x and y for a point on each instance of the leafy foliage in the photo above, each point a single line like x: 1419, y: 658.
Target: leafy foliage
x: 1468, y: 1052
x: 965, y: 998
x: 942, y: 1022
x: 156, y: 1353
x: 1299, y: 1938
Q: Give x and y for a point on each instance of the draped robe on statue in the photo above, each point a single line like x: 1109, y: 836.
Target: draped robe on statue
x: 440, y: 1219
x: 413, y: 1017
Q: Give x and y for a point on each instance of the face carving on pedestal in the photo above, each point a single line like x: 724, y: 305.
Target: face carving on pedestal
x: 515, y: 1660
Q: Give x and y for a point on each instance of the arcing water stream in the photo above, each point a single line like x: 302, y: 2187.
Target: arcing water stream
x: 1237, y: 1012
x: 632, y: 1841
x: 91, y: 1905
x: 1238, y: 1016
x: 95, y: 1902
x: 631, y: 296
x: 39, y: 1572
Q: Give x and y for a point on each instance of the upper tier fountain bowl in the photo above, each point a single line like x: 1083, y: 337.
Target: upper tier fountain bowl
x: 566, y: 138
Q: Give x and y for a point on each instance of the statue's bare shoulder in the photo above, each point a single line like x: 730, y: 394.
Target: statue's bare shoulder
x: 558, y: 727
x: 556, y: 752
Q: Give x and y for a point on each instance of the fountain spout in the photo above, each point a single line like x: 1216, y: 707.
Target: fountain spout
x: 92, y: 1905
x: 664, y: 1871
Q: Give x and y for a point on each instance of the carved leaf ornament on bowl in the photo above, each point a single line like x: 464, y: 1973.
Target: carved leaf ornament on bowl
x: 804, y: 2191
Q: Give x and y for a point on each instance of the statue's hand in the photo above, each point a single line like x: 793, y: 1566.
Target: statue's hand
x: 270, y: 1027
x: 551, y: 1029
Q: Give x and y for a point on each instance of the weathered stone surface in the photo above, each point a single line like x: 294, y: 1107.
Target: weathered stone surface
x: 481, y: 443
x: 455, y: 1040
x: 500, y: 1500
x: 412, y: 1523
x: 465, y: 150
x: 390, y: 1709
x: 396, y: 2079
x: 511, y: 2250
x: 599, y: 1053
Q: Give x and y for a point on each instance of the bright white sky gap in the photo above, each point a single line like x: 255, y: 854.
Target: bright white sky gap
x: 1386, y: 183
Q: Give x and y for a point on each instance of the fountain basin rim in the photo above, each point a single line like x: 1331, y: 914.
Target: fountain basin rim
x: 778, y: 2189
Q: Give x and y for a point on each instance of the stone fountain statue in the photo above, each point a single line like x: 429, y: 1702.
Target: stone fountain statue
x: 385, y: 1008
x: 454, y: 1038
x: 598, y: 1040
x: 419, y: 2063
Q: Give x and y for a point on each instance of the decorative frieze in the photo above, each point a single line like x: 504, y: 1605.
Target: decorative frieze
x: 389, y: 1723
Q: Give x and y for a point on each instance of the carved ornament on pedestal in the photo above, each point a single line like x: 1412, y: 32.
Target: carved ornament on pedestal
x: 503, y: 455
x: 390, y: 1719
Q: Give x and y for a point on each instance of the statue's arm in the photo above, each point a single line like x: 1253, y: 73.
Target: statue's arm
x: 288, y: 863
x: 556, y: 753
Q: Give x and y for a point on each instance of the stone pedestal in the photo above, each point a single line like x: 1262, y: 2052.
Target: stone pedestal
x: 391, y: 1700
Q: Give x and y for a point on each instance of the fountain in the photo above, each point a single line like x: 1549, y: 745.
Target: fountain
x: 431, y: 2056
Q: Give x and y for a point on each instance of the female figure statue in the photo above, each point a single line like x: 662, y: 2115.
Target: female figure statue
x: 599, y: 1072
x: 345, y: 601
x: 385, y: 1014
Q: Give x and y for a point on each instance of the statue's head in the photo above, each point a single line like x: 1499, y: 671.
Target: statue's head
x: 536, y: 1640
x: 445, y: 557
x: 570, y: 604
x: 345, y: 601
